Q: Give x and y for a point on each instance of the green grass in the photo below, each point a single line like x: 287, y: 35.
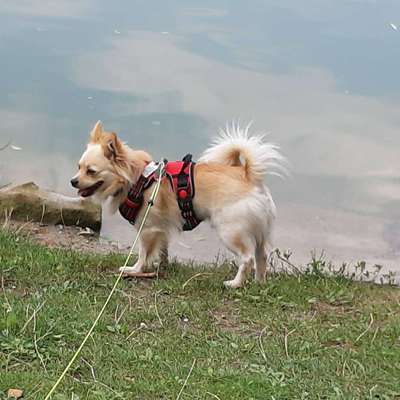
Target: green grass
x: 334, y: 350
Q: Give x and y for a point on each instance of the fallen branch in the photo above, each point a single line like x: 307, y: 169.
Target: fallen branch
x: 142, y: 275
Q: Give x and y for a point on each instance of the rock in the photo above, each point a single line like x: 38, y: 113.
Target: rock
x: 15, y: 394
x: 28, y: 202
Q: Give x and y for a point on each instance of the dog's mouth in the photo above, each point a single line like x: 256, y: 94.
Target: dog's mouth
x: 89, y: 191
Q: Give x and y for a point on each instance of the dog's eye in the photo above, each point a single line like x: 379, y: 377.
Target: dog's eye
x: 91, y: 171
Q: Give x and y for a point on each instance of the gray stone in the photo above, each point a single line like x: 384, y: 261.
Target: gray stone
x: 28, y: 202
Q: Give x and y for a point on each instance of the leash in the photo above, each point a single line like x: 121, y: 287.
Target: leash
x: 150, y: 203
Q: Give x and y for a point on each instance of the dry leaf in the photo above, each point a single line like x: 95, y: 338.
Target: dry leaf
x: 15, y: 394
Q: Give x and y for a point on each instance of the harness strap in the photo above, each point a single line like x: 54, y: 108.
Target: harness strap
x: 130, y: 208
x: 180, y: 175
x: 185, y: 192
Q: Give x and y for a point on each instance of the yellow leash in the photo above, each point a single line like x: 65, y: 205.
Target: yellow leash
x: 150, y: 203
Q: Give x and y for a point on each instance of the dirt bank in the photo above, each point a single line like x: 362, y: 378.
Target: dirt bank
x: 67, y: 237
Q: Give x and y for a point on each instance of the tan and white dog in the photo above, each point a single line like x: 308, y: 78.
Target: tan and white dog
x: 230, y: 193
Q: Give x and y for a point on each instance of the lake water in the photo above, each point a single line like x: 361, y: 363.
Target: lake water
x: 320, y: 76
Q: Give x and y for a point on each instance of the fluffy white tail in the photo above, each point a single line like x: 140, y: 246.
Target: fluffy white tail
x: 236, y: 147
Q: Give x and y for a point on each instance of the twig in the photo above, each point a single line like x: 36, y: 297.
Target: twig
x: 7, y: 302
x: 157, y: 271
x: 116, y: 313
x: 7, y: 217
x: 45, y: 335
x: 32, y: 316
x: 8, y: 269
x: 134, y: 331
x: 62, y: 217
x: 344, y: 367
x: 213, y: 395
x: 91, y: 368
x: 118, y: 318
x: 11, y: 356
x: 371, y: 390
x: 195, y: 276
x: 286, y: 261
x: 368, y: 328
x: 23, y: 226
x: 35, y: 343
x: 314, y: 315
x: 376, y: 332
x: 43, y: 212
x: 261, y: 344
x: 286, y: 341
x: 186, y: 380
x: 155, y: 306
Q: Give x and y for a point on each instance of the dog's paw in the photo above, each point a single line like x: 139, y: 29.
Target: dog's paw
x: 233, y: 284
x: 131, y: 270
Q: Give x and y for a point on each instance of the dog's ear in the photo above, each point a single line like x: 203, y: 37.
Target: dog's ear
x: 114, y: 147
x: 97, y: 132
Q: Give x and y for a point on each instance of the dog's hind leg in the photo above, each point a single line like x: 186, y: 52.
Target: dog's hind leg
x: 261, y: 263
x: 246, y: 263
x: 243, y: 247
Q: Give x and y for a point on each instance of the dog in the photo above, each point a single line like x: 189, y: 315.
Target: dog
x: 230, y: 194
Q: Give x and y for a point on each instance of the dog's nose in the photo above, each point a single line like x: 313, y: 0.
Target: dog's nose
x: 74, y: 182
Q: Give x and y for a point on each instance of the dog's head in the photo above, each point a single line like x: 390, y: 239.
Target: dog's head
x: 107, y: 166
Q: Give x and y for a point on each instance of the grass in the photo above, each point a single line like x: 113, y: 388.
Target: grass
x: 296, y: 337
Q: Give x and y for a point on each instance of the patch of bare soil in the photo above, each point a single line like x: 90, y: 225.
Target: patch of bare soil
x: 67, y: 237
x: 227, y: 317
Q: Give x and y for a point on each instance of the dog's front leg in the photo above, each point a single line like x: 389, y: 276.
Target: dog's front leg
x: 141, y: 263
x: 149, y: 248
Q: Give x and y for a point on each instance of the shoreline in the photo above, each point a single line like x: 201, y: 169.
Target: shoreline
x: 191, y: 248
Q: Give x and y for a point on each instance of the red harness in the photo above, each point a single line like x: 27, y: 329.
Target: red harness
x: 180, y: 175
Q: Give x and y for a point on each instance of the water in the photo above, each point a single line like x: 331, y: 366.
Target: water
x: 320, y: 76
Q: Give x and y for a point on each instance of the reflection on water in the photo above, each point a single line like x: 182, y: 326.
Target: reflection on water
x: 320, y: 76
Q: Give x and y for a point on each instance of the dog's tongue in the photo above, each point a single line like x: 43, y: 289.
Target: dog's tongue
x: 90, y: 190
x: 84, y: 192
